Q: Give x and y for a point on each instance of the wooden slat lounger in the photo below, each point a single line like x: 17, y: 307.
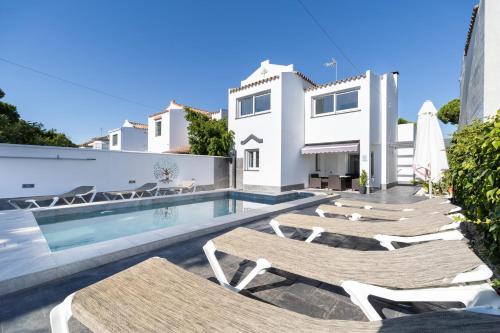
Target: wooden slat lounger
x: 157, y: 296
x: 435, y: 204
x: 150, y: 188
x: 423, y: 272
x: 413, y: 230
x: 356, y: 214
x: 68, y: 197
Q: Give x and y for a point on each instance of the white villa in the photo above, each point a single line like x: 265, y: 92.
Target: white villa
x: 101, y: 142
x: 479, y: 88
x: 288, y: 128
x: 131, y: 136
x: 168, y: 128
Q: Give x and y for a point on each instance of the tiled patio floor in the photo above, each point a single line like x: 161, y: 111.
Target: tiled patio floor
x: 28, y: 310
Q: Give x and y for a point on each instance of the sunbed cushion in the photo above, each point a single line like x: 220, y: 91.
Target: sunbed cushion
x: 429, y: 264
x: 375, y: 214
x: 414, y: 226
x: 157, y: 296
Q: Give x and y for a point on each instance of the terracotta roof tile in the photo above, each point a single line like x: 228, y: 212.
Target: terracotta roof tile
x: 471, y: 28
x: 253, y: 84
x: 98, y: 138
x: 205, y: 112
x: 138, y: 125
x: 305, y: 78
x: 352, y: 78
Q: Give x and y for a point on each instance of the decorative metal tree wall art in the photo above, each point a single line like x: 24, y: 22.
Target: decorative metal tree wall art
x: 165, y: 171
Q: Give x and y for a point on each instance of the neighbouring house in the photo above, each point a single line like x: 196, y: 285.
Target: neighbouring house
x: 288, y: 128
x: 222, y: 113
x: 479, y: 86
x: 131, y: 136
x: 101, y: 142
x: 168, y: 129
x: 405, y: 152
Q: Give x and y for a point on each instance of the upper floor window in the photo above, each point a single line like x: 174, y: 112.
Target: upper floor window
x: 337, y: 102
x: 254, y: 104
x: 114, y: 140
x: 158, y: 128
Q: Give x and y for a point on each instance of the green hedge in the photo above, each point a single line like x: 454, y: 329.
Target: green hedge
x: 474, y: 159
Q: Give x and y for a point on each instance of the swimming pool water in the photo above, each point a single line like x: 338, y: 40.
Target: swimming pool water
x: 67, y: 231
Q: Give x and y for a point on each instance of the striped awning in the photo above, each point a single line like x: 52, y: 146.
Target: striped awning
x: 351, y: 147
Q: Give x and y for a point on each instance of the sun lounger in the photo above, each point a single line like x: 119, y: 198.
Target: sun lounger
x: 149, y: 188
x: 414, y: 230
x: 356, y: 214
x: 185, y: 185
x: 435, y: 204
x: 429, y: 272
x: 69, y: 198
x: 157, y: 296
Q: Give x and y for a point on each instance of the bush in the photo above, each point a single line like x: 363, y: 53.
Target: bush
x: 474, y: 159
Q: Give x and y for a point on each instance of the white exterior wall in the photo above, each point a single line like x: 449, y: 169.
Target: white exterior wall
x: 266, y: 126
x: 178, y: 129
x: 479, y: 87
x: 159, y: 144
x: 129, y: 139
x: 56, y: 170
x: 294, y: 166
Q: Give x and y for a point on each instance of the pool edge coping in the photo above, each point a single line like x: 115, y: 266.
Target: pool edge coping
x: 102, y: 253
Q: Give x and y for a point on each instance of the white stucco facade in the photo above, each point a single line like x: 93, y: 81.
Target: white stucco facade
x: 479, y: 86
x: 131, y: 136
x: 291, y: 124
x: 168, y: 130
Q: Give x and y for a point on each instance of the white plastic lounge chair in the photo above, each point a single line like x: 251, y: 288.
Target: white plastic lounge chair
x: 356, y: 214
x: 428, y: 205
x: 69, y: 198
x: 149, y: 188
x: 430, y: 272
x: 414, y: 230
x: 157, y: 296
x: 185, y: 185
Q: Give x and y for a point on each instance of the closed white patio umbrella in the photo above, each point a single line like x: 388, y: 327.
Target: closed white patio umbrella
x: 430, y: 154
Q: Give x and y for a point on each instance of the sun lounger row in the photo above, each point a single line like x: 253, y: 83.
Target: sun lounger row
x: 87, y: 194
x: 159, y: 296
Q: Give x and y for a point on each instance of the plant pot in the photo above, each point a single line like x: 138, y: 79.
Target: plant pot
x: 362, y: 189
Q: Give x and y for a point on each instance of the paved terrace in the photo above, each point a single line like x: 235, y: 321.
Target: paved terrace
x: 28, y: 310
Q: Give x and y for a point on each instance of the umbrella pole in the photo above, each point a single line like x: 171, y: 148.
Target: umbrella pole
x: 430, y: 186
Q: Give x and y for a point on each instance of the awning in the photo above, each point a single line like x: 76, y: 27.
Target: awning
x: 351, y: 147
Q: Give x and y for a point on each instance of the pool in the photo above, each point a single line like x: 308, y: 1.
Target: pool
x: 77, y: 229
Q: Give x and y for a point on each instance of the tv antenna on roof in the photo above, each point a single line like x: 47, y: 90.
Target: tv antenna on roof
x: 332, y: 63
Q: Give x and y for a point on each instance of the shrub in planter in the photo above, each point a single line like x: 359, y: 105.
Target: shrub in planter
x: 474, y: 160
x: 363, y: 178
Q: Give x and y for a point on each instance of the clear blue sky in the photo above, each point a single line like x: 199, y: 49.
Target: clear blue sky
x: 193, y: 51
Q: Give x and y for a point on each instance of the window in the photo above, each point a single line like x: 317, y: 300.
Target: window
x: 158, y: 128
x: 252, y: 159
x: 324, y: 104
x: 333, y: 103
x: 348, y: 100
x: 251, y: 105
x: 114, y: 140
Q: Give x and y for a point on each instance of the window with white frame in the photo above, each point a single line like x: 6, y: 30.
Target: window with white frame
x: 114, y: 140
x: 252, y: 159
x: 158, y: 128
x: 337, y: 102
x: 254, y: 104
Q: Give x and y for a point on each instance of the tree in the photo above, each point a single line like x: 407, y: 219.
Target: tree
x: 208, y: 136
x: 404, y: 121
x: 450, y: 112
x: 13, y: 129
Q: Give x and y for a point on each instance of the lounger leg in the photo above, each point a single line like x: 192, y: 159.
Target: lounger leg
x: 471, y: 295
x: 93, y: 196
x: 451, y: 226
x: 276, y: 227
x: 320, y: 212
x: 386, y: 240
x: 31, y: 203
x: 261, y: 265
x: 60, y: 315
x: 54, y: 201
x: 13, y: 204
x: 316, y: 232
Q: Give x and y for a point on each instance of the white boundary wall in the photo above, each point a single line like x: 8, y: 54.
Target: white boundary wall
x: 55, y: 170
